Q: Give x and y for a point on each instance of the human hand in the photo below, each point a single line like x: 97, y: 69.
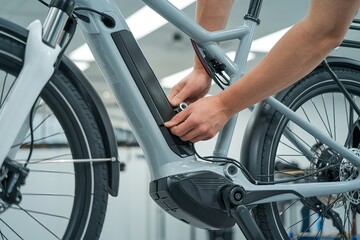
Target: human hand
x: 193, y: 87
x: 201, y: 120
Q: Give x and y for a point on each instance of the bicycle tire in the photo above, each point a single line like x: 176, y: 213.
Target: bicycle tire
x: 77, y: 136
x: 317, y: 98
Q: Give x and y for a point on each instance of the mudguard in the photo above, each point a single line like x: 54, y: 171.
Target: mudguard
x: 93, y: 100
x: 102, y: 119
x: 251, y: 148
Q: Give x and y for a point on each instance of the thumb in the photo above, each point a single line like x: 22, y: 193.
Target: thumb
x: 178, y: 98
x: 177, y: 119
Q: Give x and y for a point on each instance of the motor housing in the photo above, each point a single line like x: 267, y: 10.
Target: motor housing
x: 194, y: 198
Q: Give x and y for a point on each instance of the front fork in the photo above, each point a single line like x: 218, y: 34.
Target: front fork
x: 41, y: 54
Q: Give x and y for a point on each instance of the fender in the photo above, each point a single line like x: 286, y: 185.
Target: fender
x: 97, y: 107
x: 93, y: 100
x: 258, y: 123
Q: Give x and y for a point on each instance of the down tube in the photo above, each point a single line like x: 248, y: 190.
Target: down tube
x: 112, y: 65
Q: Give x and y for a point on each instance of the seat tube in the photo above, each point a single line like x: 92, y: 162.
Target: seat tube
x: 251, y: 20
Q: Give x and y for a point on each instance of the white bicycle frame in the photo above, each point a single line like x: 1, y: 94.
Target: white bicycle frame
x: 162, y: 161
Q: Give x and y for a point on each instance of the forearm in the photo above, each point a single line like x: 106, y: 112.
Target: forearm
x: 212, y: 15
x: 295, y: 55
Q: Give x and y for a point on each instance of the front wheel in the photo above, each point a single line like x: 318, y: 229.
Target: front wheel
x: 63, y: 198
x: 289, y: 152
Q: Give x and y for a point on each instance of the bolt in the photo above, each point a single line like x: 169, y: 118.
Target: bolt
x: 238, y: 196
x: 232, y: 170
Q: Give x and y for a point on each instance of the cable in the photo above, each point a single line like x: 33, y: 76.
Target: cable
x: 218, y: 159
x: 31, y: 134
x: 210, y: 66
x: 44, y: 3
x: 107, y: 19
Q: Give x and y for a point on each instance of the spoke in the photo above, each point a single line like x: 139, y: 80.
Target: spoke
x: 36, y: 220
x: 310, y: 225
x: 48, y: 195
x: 50, y: 171
x: 7, y: 225
x: 301, y: 220
x: 8, y: 92
x: 346, y: 217
x: 329, y: 206
x: 291, y: 155
x: 307, y: 117
x: 296, y: 135
x: 77, y: 160
x: 321, y: 118
x: 39, y: 139
x: 292, y: 148
x: 326, y: 114
x: 296, y: 150
x: 350, y: 116
x: 3, y: 89
x: 3, y: 237
x: 28, y: 211
x: 319, y: 233
x: 37, y: 126
x: 346, y: 112
x: 290, y: 163
x: 298, y: 142
x: 290, y: 205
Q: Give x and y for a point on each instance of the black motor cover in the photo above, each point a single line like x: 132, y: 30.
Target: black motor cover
x: 193, y: 198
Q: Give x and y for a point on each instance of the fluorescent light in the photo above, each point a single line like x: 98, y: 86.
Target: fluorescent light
x: 82, y: 65
x: 264, y: 44
x: 173, y: 79
x: 141, y: 23
x: 82, y: 54
x: 146, y: 20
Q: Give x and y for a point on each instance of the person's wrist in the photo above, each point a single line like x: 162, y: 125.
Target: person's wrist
x: 202, y: 72
x: 224, y: 106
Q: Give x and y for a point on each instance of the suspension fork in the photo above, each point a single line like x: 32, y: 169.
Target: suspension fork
x: 41, y: 53
x: 23, y: 133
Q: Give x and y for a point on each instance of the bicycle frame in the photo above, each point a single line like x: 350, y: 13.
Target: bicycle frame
x: 162, y: 160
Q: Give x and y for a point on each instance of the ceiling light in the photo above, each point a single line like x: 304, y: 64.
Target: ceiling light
x: 140, y: 27
x: 141, y: 23
x: 266, y: 43
x: 173, y: 79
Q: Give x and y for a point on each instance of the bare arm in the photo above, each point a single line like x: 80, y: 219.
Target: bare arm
x: 299, y: 51
x: 295, y: 55
x: 211, y: 15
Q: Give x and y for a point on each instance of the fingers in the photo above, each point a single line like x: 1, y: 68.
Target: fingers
x: 177, y: 94
x: 179, y: 125
x: 176, y: 97
x: 177, y: 119
x: 187, y: 128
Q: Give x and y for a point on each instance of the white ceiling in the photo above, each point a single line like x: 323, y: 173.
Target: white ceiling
x: 166, y: 53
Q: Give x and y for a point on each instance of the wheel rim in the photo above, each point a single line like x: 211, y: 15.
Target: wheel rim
x: 327, y: 116
x: 50, y: 209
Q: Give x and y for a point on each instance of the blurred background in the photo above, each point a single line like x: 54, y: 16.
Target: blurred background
x: 133, y: 215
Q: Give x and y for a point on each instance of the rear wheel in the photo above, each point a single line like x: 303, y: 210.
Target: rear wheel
x: 317, y: 99
x: 59, y: 200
